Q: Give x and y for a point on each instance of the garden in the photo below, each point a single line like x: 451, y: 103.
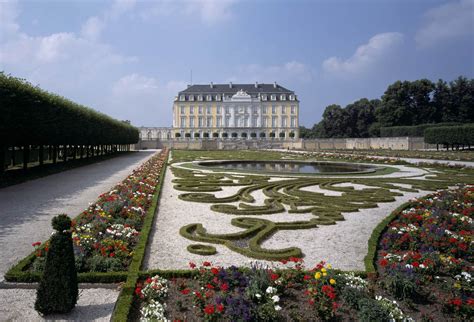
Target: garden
x: 194, y: 243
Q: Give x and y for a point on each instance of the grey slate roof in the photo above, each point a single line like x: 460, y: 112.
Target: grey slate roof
x: 225, y: 89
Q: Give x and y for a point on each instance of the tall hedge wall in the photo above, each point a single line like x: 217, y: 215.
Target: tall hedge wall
x: 412, y: 131
x: 451, y: 135
x: 32, y: 116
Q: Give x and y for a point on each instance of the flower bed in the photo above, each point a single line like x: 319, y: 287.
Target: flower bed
x: 106, y: 234
x: 262, y: 294
x: 426, y: 257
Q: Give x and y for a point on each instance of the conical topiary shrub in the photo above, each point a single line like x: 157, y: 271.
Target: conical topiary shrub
x: 58, y: 289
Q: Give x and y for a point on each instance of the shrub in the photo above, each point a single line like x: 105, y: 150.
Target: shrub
x: 401, y: 287
x: 372, y: 310
x: 457, y: 135
x: 413, y: 130
x: 58, y: 288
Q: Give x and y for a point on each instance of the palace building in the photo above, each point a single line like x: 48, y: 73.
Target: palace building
x: 243, y: 111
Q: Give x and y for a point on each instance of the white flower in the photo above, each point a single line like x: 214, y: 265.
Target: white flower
x: 258, y: 295
x: 271, y: 290
x: 275, y: 298
x: 277, y: 307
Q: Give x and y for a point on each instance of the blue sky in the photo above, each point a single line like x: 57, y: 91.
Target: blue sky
x: 129, y: 58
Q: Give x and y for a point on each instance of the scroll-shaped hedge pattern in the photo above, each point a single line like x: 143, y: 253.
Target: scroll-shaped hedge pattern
x: 289, y: 194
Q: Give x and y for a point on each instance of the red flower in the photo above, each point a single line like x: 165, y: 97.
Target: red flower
x: 307, y: 277
x: 210, y: 286
x: 198, y: 295
x: 192, y: 265
x: 148, y: 280
x: 209, y: 309
x: 335, y: 306
x: 214, y: 271
x: 383, y: 262
x: 220, y: 308
x: 185, y: 291
x: 224, y: 287
x: 274, y: 276
x: 112, y: 254
x: 470, y: 302
x: 206, y: 264
x: 456, y: 302
x: 416, y: 264
x: 36, y: 244
x: 284, y: 261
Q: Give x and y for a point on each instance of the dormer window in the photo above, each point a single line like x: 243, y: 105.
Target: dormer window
x: 264, y: 97
x: 282, y: 97
x: 292, y: 97
x: 218, y: 97
x: 273, y: 97
x: 182, y: 97
x: 191, y: 98
x: 209, y: 98
x: 199, y: 97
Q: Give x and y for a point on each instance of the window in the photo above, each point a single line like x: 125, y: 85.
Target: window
x: 200, y: 110
x: 208, y: 109
x: 273, y: 97
x: 227, y: 121
x: 283, y: 109
x: 265, y: 121
x: 246, y: 121
x: 293, y: 109
x: 264, y: 109
x: 191, y: 98
x: 218, y: 97
x: 182, y: 97
x: 283, y: 122
x: 182, y: 109
x: 274, y: 109
x: 200, y: 121
x: 274, y: 121
x: 293, y: 121
x: 282, y: 97
x: 255, y: 110
x: 200, y: 98
x: 264, y: 97
x: 209, y: 98
x: 191, y: 122
x: 218, y: 109
x: 209, y: 121
x: 227, y: 110
x: 191, y: 110
x: 254, y: 121
x: 183, y: 121
x: 292, y: 97
x: 219, y: 121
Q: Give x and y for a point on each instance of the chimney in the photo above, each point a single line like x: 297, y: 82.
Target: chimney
x: 189, y: 86
x: 274, y: 84
x: 230, y: 84
x: 212, y: 85
x: 256, y: 84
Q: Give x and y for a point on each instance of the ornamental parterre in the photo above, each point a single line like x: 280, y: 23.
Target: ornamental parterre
x: 106, y: 233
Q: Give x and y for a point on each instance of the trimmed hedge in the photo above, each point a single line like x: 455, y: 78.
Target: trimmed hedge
x: 32, y: 116
x: 125, y: 299
x: 451, y: 135
x: 413, y: 130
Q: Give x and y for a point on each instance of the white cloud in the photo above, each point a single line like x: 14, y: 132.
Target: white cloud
x: 92, y: 28
x: 138, y: 94
x: 290, y: 71
x: 366, y: 57
x: 451, y: 20
x: 8, y: 14
x: 209, y: 12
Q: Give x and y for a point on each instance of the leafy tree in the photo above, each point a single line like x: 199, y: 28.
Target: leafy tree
x: 462, y: 96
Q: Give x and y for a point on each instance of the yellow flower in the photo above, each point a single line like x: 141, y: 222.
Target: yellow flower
x: 323, y: 270
x: 325, y: 274
x: 328, y: 266
x: 317, y: 275
x: 457, y: 285
x: 332, y: 281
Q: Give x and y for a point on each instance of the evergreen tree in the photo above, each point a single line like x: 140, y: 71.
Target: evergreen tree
x: 58, y: 288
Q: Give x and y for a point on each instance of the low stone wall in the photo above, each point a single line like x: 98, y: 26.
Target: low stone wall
x: 393, y: 143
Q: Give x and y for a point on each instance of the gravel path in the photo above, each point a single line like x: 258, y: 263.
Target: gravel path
x: 93, y: 305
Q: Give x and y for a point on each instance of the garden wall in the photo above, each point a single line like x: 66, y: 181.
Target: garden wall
x: 394, y: 143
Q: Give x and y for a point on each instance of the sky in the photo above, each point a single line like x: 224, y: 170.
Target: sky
x: 130, y: 58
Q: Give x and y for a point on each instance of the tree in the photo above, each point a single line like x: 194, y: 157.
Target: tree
x: 462, y: 95
x: 443, y: 104
x: 58, y: 288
